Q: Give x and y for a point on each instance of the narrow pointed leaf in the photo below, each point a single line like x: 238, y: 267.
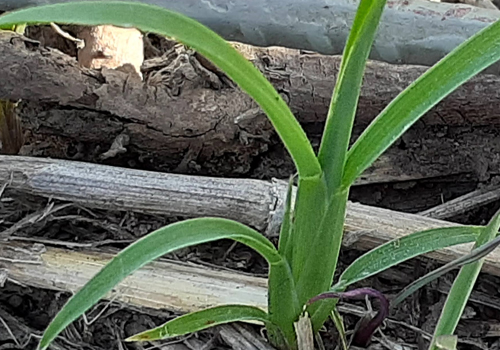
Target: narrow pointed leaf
x: 402, y: 249
x: 156, y: 244
x: 470, y: 58
x: 393, y: 253
x: 199, y: 320
x: 324, y: 235
x: 475, y: 255
x: 161, y: 21
x: 338, y: 321
x: 462, y: 286
x: 345, y: 97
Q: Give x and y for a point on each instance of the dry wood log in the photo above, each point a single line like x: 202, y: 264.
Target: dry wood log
x: 162, y: 284
x: 253, y: 202
x: 464, y: 203
x: 186, y: 118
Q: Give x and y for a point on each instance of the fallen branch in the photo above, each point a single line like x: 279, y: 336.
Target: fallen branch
x: 174, y: 286
x: 253, y: 202
x: 185, y: 118
x: 463, y: 204
x: 159, y: 285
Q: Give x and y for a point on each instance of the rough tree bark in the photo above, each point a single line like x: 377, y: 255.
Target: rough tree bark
x: 98, y: 47
x: 186, y: 117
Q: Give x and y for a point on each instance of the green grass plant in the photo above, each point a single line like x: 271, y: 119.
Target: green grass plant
x: 303, y: 265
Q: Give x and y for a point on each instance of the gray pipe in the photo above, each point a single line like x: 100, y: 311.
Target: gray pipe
x: 412, y: 31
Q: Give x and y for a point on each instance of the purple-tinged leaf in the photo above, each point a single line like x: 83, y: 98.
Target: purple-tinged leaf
x: 363, y: 335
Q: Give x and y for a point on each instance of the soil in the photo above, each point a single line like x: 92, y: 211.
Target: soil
x: 26, y: 311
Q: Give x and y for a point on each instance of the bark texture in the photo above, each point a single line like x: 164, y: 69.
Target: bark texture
x: 187, y: 116
x: 253, y: 202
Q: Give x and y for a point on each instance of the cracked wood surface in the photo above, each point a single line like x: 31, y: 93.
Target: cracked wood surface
x: 175, y: 286
x: 254, y: 202
x: 187, y: 118
x: 170, y: 285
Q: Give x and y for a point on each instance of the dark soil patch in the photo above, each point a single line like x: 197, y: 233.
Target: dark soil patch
x: 30, y: 309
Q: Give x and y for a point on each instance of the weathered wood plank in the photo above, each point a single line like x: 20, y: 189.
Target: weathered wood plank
x: 253, y: 202
x: 191, y: 121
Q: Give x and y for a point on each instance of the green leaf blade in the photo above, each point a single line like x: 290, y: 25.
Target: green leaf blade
x: 343, y: 106
x: 149, y: 248
x: 283, y: 304
x: 190, y: 32
x: 317, y: 274
x: 467, y: 60
x: 402, y: 249
x: 199, y: 320
x: 475, y: 255
x: 462, y: 287
x: 393, y: 253
x: 310, y: 206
